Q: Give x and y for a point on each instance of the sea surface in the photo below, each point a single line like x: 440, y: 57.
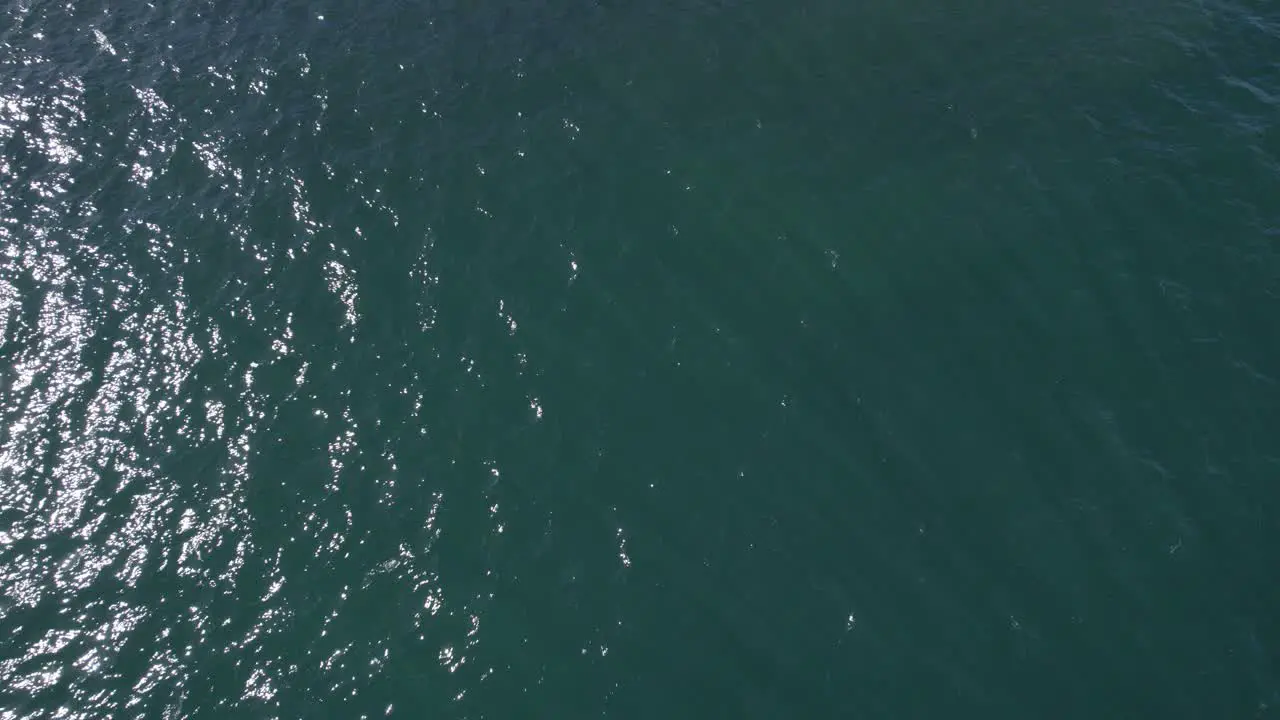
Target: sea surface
x: 656, y: 360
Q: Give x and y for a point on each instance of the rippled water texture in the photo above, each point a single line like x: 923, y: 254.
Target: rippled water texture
x: 720, y: 360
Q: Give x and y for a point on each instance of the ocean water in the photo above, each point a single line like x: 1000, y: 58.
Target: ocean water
x: 699, y: 359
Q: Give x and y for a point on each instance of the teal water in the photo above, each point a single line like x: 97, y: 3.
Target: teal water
x: 686, y: 360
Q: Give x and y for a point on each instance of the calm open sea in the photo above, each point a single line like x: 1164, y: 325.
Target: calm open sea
x: 666, y: 360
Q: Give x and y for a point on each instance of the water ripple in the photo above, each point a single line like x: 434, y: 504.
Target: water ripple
x: 277, y: 311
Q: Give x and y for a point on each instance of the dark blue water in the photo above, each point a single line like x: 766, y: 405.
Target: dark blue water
x: 692, y: 360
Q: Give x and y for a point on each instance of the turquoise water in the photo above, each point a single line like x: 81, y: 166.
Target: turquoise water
x: 699, y: 360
